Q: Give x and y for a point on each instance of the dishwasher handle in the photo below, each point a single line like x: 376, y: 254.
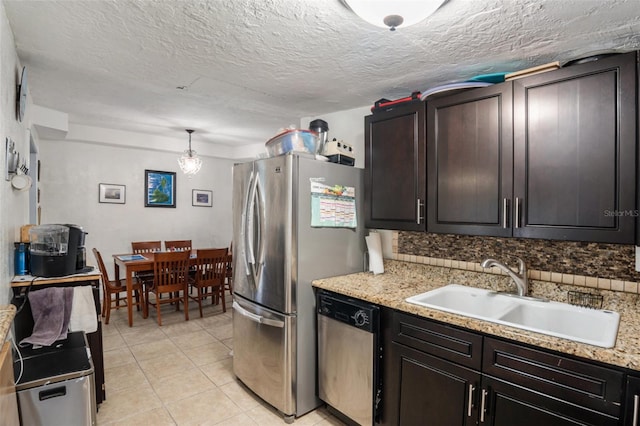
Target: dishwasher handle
x: 257, y: 318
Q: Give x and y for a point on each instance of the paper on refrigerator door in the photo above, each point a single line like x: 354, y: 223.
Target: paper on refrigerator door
x: 333, y: 206
x: 374, y: 246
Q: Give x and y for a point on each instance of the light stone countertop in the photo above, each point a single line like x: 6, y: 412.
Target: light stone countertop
x: 7, y: 312
x: 403, y: 279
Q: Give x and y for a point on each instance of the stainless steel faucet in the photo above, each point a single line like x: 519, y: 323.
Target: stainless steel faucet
x: 520, y: 279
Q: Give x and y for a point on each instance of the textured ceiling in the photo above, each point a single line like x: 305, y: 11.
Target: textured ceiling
x: 238, y: 70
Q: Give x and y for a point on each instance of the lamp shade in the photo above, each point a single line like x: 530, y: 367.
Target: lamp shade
x: 189, y: 162
x: 393, y: 13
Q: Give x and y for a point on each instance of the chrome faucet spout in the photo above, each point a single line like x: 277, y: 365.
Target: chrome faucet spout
x: 519, y: 278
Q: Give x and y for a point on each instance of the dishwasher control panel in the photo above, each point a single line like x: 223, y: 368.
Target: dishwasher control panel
x: 354, y: 312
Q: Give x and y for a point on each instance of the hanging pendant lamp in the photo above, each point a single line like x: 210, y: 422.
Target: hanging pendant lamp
x: 190, y: 163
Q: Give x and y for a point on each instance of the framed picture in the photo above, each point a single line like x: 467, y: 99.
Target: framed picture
x: 111, y: 193
x: 160, y: 189
x: 202, y: 198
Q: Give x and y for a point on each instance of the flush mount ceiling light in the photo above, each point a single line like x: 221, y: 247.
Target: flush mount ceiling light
x: 189, y: 162
x: 393, y: 14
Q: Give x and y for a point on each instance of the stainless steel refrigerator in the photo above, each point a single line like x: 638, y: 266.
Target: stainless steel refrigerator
x: 276, y: 254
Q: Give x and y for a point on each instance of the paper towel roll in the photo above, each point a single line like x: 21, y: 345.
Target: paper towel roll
x: 374, y: 246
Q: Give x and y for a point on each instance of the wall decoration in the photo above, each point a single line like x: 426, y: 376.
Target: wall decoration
x: 202, y: 198
x: 111, y: 193
x: 160, y: 188
x: 12, y: 159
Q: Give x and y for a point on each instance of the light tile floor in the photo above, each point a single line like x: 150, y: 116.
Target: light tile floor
x: 180, y: 373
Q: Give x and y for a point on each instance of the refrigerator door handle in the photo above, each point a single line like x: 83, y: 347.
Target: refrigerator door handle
x: 250, y: 231
x: 258, y: 200
x: 243, y: 229
x: 257, y: 318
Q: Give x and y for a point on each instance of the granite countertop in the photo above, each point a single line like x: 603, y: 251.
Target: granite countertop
x: 7, y: 312
x: 403, y: 279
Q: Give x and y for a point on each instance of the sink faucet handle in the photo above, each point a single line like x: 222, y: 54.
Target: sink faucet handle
x: 522, y: 267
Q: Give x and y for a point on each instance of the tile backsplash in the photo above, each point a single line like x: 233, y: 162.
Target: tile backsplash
x: 610, y: 266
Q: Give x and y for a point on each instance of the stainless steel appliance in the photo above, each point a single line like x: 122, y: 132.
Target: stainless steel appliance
x: 348, y: 355
x: 277, y: 253
x: 56, y: 385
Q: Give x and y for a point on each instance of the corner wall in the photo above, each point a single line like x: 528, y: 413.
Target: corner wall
x: 14, y: 205
x: 69, y: 179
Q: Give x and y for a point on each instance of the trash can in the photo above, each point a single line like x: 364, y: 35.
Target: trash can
x: 57, y: 383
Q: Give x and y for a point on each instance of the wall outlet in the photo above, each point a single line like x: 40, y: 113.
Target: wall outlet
x: 637, y: 258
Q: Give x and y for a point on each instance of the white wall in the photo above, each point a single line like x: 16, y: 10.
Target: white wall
x: 348, y: 126
x: 14, y: 205
x: 69, y: 178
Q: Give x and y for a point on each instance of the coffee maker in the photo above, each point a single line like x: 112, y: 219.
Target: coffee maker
x: 77, y: 237
x: 56, y: 250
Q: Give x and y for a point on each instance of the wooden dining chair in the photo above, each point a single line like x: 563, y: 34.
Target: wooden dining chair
x: 178, y: 245
x: 112, y: 289
x: 209, y: 276
x: 138, y: 247
x: 170, y: 277
x: 228, y: 281
x: 145, y: 246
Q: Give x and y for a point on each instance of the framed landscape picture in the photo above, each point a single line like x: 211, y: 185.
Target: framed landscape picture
x: 160, y: 189
x: 202, y: 198
x: 111, y: 193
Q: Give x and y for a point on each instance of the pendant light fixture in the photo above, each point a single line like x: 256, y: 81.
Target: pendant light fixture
x: 189, y: 162
x: 393, y: 14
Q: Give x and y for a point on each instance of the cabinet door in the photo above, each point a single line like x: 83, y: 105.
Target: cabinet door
x: 632, y: 402
x: 574, y: 152
x: 395, y: 161
x: 470, y: 162
x: 507, y: 405
x: 432, y: 391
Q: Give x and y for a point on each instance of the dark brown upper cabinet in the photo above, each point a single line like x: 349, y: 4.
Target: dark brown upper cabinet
x: 470, y: 162
x: 547, y: 156
x: 575, y: 152
x: 395, y: 168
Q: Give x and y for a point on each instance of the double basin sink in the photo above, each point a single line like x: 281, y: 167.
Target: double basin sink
x: 584, y: 325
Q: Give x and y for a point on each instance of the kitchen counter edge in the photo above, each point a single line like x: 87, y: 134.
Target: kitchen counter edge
x: 404, y: 279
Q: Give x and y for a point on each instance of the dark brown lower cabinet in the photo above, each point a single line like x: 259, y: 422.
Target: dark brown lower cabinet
x: 632, y: 402
x: 434, y: 391
x: 507, y: 404
x: 441, y: 375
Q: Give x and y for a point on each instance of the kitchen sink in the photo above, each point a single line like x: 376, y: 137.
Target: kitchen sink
x: 585, y: 325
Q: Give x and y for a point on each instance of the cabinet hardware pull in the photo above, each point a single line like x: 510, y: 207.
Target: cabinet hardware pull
x: 517, y: 213
x: 636, y: 402
x: 470, y: 401
x: 505, y: 213
x: 419, y: 204
x: 482, y: 403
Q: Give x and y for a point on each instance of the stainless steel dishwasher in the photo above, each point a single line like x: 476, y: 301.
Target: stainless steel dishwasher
x: 348, y: 356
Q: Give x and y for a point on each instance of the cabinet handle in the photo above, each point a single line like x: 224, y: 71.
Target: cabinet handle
x: 419, y: 204
x: 636, y: 402
x: 516, y: 221
x: 482, y: 403
x: 470, y: 401
x: 505, y: 213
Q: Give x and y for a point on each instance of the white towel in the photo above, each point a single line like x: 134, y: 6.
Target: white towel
x: 83, y: 310
x: 374, y: 245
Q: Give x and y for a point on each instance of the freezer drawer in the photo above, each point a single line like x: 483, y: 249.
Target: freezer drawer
x: 264, y: 353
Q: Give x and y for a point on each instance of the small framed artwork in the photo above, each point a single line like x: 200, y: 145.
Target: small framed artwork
x: 202, y: 198
x: 111, y: 193
x: 160, y: 189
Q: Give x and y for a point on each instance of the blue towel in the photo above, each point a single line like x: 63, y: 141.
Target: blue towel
x: 51, y: 310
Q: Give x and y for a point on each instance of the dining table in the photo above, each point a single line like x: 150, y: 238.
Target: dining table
x: 132, y: 263
x: 138, y: 262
